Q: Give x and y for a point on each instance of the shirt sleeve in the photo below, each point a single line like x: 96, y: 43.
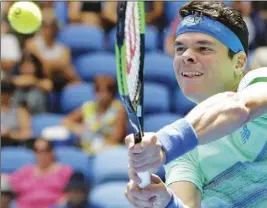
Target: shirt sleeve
x: 17, y: 178
x: 185, y: 168
x: 252, y: 77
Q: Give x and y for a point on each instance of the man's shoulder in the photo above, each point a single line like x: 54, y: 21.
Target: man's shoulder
x: 253, y: 76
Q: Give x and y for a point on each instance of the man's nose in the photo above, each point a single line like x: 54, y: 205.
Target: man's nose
x: 189, y: 56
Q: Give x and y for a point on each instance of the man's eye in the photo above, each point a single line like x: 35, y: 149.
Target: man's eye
x: 179, y: 49
x: 205, y: 49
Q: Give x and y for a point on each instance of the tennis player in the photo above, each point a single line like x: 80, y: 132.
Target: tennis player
x: 217, y: 155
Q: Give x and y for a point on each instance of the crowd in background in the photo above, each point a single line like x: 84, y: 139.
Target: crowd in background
x: 36, y: 71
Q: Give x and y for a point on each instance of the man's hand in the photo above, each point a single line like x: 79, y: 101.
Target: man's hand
x: 146, y: 156
x: 156, y: 195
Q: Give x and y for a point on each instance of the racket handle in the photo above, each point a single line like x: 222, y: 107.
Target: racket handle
x: 145, y: 179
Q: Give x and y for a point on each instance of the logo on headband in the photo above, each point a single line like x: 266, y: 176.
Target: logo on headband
x: 191, y: 20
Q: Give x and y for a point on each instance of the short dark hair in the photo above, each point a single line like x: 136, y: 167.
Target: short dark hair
x: 228, y: 16
x: 105, y: 80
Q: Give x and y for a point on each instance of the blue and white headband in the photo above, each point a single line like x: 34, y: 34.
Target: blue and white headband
x: 209, y: 26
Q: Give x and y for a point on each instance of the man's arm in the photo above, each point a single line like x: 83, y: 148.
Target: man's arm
x: 224, y: 113
x: 188, y: 193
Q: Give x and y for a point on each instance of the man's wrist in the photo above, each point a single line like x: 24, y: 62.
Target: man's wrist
x: 163, y: 156
x: 175, y: 202
x: 177, y: 139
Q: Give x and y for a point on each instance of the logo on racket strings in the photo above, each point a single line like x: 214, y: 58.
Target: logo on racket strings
x: 132, y: 40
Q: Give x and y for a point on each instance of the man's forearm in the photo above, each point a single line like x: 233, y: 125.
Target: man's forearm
x: 213, y: 119
x: 218, y: 117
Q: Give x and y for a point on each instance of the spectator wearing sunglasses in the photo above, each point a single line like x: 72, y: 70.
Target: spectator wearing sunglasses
x: 100, y: 123
x: 42, y: 184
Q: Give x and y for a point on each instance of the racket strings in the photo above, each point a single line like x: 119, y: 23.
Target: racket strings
x: 133, y: 55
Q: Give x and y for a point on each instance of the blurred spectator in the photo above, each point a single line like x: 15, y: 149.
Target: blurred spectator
x: 4, y: 7
x: 42, y: 184
x: 76, y: 192
x: 87, y: 12
x: 32, y: 86
x: 7, y: 195
x: 259, y: 16
x: 55, y: 57
x: 170, y: 36
x: 15, y: 121
x: 101, y: 123
x: 259, y: 58
x: 10, y: 48
x: 245, y: 7
x: 154, y: 13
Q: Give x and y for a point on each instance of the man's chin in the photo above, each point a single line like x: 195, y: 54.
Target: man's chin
x: 192, y: 94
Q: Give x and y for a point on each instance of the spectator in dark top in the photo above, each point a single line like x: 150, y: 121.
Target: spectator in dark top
x: 89, y: 12
x: 76, y: 191
x: 32, y: 85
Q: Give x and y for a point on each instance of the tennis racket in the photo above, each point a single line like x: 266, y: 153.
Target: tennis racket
x: 130, y: 66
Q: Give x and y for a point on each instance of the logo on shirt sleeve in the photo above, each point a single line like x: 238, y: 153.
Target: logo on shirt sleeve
x: 245, y: 134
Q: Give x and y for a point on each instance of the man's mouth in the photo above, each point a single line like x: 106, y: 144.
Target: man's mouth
x: 191, y: 74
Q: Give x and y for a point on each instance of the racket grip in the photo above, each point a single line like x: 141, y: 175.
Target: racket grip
x: 145, y: 179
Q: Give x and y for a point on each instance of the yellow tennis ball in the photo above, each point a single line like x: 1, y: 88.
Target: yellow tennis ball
x: 25, y: 17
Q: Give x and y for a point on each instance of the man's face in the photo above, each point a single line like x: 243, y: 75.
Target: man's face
x: 202, y: 66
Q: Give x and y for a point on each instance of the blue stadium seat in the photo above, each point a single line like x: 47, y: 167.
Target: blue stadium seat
x: 159, y: 68
x: 13, y: 158
x: 181, y: 104
x: 109, y: 195
x: 41, y: 121
x: 81, y: 38
x: 73, y: 96
x: 151, y: 39
x: 154, y: 122
x: 89, y: 65
x: 171, y: 9
x: 75, y: 158
x: 111, y: 165
x: 61, y: 12
x: 156, y: 98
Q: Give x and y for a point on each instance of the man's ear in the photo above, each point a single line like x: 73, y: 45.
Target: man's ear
x: 240, y: 60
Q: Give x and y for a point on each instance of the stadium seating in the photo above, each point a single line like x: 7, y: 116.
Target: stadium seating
x: 154, y: 122
x: 13, y: 158
x: 156, y: 98
x: 110, y: 195
x: 181, y: 104
x: 89, y: 65
x: 41, y: 121
x: 111, y: 165
x: 171, y: 9
x: 73, y: 96
x: 151, y: 39
x: 81, y: 38
x: 159, y: 68
x: 61, y: 12
x: 75, y: 158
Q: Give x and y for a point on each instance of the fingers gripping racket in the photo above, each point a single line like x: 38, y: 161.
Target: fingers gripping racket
x: 130, y: 66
